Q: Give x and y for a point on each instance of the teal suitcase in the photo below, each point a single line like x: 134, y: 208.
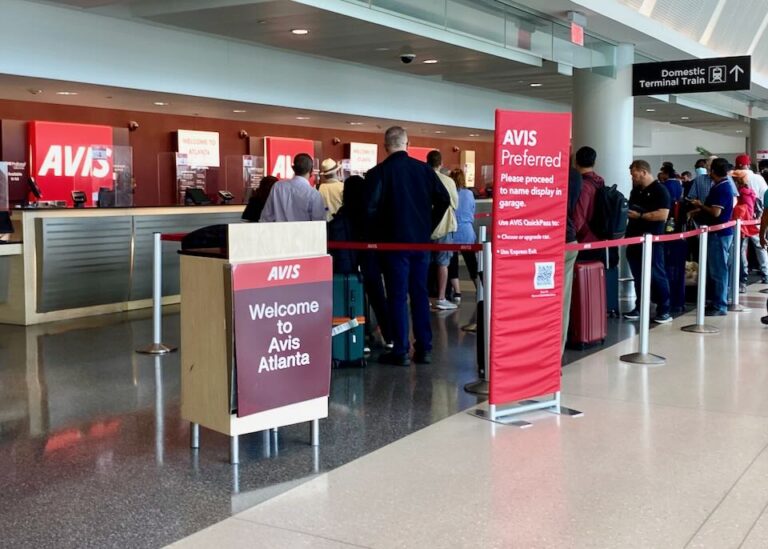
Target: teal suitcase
x: 348, y: 348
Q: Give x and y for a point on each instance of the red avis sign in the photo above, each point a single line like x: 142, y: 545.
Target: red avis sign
x: 283, y: 314
x: 279, y: 153
x: 69, y: 157
x: 529, y: 214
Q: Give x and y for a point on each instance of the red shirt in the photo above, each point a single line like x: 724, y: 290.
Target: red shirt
x: 745, y: 210
x: 585, y: 207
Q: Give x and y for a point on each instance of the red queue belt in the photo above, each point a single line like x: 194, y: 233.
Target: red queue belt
x: 404, y: 247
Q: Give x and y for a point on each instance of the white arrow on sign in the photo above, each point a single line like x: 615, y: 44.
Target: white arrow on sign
x: 735, y: 72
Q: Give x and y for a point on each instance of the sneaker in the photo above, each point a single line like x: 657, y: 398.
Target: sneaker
x: 471, y: 327
x: 634, y: 314
x: 423, y: 357
x: 445, y: 305
x: 663, y: 319
x: 764, y: 320
x: 395, y: 359
x: 389, y: 346
x: 764, y: 280
x: 742, y: 288
x: 457, y: 299
x: 715, y: 312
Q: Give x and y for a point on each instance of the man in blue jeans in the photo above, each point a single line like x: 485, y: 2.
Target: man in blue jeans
x: 649, y: 204
x: 406, y: 201
x: 718, y: 208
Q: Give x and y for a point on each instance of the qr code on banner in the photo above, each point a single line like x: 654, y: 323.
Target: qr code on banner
x: 545, y: 276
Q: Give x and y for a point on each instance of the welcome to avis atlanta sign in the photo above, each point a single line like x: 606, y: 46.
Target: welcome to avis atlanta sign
x: 70, y: 157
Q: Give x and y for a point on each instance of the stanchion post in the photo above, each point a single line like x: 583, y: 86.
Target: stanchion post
x: 643, y: 356
x: 480, y: 387
x: 157, y: 347
x: 701, y: 296
x: 735, y: 306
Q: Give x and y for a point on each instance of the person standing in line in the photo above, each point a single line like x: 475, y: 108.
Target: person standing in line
x: 295, y: 199
x: 258, y: 199
x: 443, y: 233
x: 574, y: 190
x: 758, y: 185
x: 465, y: 229
x: 718, y: 208
x: 406, y: 202
x: 584, y: 211
x: 675, y: 252
x: 745, y: 211
x: 330, y: 188
x: 649, y: 204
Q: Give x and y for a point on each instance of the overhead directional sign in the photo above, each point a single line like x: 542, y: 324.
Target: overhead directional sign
x: 692, y: 76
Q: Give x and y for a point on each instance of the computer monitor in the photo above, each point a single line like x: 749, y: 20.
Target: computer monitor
x: 106, y: 197
x: 196, y: 196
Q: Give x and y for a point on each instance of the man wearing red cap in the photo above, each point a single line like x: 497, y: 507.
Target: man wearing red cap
x: 758, y: 186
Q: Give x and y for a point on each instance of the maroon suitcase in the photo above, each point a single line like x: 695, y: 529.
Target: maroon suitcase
x: 588, y: 323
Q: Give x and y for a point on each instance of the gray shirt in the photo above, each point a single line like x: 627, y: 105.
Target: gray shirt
x: 293, y: 200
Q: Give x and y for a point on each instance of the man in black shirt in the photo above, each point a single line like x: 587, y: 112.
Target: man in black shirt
x: 649, y: 204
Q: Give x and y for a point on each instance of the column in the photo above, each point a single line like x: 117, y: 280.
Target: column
x: 758, y: 137
x: 603, y: 117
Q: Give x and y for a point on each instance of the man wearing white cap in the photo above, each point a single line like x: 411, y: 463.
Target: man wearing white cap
x: 331, y: 189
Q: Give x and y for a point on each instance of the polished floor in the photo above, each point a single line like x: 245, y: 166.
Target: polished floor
x: 674, y: 456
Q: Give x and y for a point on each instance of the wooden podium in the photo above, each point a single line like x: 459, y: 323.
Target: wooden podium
x: 209, y: 349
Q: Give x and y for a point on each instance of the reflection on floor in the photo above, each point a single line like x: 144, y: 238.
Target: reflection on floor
x: 665, y: 457
x: 92, y: 445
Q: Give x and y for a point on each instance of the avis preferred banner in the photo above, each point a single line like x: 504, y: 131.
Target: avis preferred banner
x: 529, y: 214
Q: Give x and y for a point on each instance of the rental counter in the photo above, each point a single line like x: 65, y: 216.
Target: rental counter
x: 81, y: 262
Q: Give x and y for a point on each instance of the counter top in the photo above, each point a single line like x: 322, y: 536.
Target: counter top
x: 11, y: 249
x: 107, y: 212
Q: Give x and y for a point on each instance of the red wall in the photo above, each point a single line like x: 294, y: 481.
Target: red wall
x: 156, y: 136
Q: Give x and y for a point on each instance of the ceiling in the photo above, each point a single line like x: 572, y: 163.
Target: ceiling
x: 269, y: 22
x: 41, y: 90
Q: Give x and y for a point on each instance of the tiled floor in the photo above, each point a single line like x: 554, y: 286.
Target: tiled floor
x: 672, y: 456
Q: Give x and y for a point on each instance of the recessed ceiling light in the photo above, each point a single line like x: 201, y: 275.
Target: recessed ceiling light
x: 160, y: 103
x: 35, y: 91
x: 66, y: 93
x: 474, y: 135
x: 382, y: 49
x: 685, y: 118
x: 430, y: 61
x: 355, y: 123
x: 302, y: 118
x: 739, y: 131
x: 300, y: 32
x: 536, y: 85
x: 439, y: 131
x: 650, y: 110
x: 238, y: 111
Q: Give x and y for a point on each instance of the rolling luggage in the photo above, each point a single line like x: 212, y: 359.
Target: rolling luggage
x: 348, y: 348
x: 612, y: 291
x: 588, y: 323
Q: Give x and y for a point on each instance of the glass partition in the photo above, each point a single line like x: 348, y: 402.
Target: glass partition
x: 3, y: 186
x: 243, y: 173
x: 194, y: 182
x: 102, y: 176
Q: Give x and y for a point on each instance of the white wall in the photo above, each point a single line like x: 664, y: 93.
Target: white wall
x: 51, y: 42
x: 669, y: 139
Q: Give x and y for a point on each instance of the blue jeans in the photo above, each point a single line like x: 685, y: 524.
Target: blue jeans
x: 405, y: 274
x: 718, y: 256
x: 659, y: 282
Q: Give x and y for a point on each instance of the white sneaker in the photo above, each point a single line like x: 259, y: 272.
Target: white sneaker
x: 445, y: 305
x: 457, y: 299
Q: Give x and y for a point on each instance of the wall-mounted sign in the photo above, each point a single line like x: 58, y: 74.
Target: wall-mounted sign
x: 761, y: 155
x: 577, y: 34
x: 692, y: 76
x: 62, y: 159
x: 420, y: 153
x: 279, y: 153
x: 529, y: 210
x: 282, y: 348
x: 467, y: 160
x: 201, y: 148
x: 362, y: 157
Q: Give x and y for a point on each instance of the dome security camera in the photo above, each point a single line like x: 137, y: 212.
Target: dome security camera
x: 133, y: 126
x: 407, y: 56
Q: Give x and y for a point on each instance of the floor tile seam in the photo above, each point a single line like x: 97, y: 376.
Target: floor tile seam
x: 295, y: 531
x: 670, y: 406
x: 749, y: 532
x: 726, y: 495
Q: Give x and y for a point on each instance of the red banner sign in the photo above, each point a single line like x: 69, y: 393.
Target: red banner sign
x: 70, y: 157
x: 529, y: 215
x: 420, y: 153
x: 283, y: 319
x: 279, y: 153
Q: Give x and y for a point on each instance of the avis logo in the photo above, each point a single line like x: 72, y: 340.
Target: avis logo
x: 68, y: 161
x: 521, y: 137
x: 283, y: 167
x: 284, y: 272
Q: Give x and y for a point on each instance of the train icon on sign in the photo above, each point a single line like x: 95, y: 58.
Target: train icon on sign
x: 717, y: 74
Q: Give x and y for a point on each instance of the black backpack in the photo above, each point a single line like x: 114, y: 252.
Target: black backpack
x: 609, y: 220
